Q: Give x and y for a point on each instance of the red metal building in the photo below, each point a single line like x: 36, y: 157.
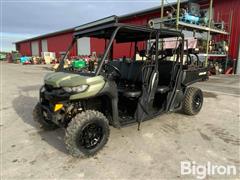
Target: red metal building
x: 58, y: 41
x: 223, y: 8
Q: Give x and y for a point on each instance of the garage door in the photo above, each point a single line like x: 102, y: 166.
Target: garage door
x: 83, y: 46
x: 44, y: 45
x: 35, y: 48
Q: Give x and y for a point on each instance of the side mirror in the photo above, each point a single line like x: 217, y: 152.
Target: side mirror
x: 142, y: 53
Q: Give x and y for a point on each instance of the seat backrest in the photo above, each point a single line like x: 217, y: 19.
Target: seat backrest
x: 123, y: 68
x: 165, y: 70
x: 135, y: 71
x: 115, y: 63
x: 131, y: 72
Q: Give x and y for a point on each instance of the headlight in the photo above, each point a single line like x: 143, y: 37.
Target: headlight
x: 80, y: 88
x: 42, y: 89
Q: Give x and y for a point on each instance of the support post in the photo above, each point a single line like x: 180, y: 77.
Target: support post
x: 178, y: 13
x: 238, y: 58
x: 61, y: 63
x: 208, y: 33
x: 229, y: 39
x: 106, y: 51
x: 162, y: 11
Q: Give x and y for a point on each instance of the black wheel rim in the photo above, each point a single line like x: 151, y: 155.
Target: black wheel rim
x: 197, y: 102
x: 91, y: 136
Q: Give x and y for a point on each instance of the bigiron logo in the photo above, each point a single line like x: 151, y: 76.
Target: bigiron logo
x: 201, y: 171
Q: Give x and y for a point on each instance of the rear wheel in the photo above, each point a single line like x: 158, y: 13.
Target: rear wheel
x: 40, y: 116
x: 193, y: 101
x: 87, y: 133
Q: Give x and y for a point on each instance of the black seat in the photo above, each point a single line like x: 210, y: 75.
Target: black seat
x: 135, y: 72
x: 132, y: 93
x: 130, y: 81
x: 165, y: 74
x: 115, y: 63
x: 131, y: 77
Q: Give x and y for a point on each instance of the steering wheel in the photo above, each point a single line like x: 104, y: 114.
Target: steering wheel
x: 111, y: 74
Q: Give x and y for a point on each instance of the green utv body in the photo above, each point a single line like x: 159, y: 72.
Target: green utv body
x: 62, y: 79
x: 87, y: 101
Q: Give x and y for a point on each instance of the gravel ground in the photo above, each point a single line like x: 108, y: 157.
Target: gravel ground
x: 154, y: 152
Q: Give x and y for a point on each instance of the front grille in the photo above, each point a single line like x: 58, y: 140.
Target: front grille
x: 56, y: 91
x: 49, y: 88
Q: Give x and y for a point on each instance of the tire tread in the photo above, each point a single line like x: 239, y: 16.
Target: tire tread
x: 38, y: 117
x: 78, y: 121
x: 188, y: 99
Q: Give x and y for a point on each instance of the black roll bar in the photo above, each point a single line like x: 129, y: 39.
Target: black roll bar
x: 61, y: 64
x: 106, y: 51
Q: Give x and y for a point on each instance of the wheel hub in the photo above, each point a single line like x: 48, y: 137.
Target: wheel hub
x: 197, y: 102
x: 91, y: 136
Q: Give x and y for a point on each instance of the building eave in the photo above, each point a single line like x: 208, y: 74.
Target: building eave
x: 46, y: 35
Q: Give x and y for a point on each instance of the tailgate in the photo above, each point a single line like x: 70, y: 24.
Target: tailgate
x: 191, y: 76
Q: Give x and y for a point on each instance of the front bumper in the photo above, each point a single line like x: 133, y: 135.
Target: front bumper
x: 53, y: 95
x: 49, y: 98
x: 55, y: 117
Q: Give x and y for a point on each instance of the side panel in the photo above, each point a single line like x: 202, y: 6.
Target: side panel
x: 194, y: 75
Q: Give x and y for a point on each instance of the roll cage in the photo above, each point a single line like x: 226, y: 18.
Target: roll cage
x: 124, y: 33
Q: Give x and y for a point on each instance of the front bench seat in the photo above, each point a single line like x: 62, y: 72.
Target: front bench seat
x: 132, y: 93
x: 130, y: 86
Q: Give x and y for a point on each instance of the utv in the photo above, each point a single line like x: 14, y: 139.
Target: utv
x: 150, y: 80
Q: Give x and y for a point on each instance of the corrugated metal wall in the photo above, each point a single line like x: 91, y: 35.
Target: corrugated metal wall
x: 223, y: 8
x: 97, y: 45
x: 25, y: 48
x: 60, y: 44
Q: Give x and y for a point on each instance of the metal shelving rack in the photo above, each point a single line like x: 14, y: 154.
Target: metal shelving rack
x: 194, y: 27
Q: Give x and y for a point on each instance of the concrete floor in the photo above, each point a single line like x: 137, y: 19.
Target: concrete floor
x: 155, y: 152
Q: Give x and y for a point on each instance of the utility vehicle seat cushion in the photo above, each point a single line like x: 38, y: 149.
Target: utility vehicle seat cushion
x: 162, y: 89
x: 130, y: 71
x: 115, y: 63
x: 165, y: 70
x: 135, y: 71
x: 130, y: 79
x: 124, y: 69
x: 132, y: 93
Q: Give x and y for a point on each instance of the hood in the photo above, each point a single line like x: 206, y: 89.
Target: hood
x: 62, y: 79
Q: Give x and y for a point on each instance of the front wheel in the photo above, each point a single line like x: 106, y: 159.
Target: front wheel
x: 193, y: 101
x: 40, y: 116
x: 87, y: 133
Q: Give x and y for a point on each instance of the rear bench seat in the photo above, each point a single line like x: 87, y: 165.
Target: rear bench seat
x: 130, y: 84
x: 165, y: 74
